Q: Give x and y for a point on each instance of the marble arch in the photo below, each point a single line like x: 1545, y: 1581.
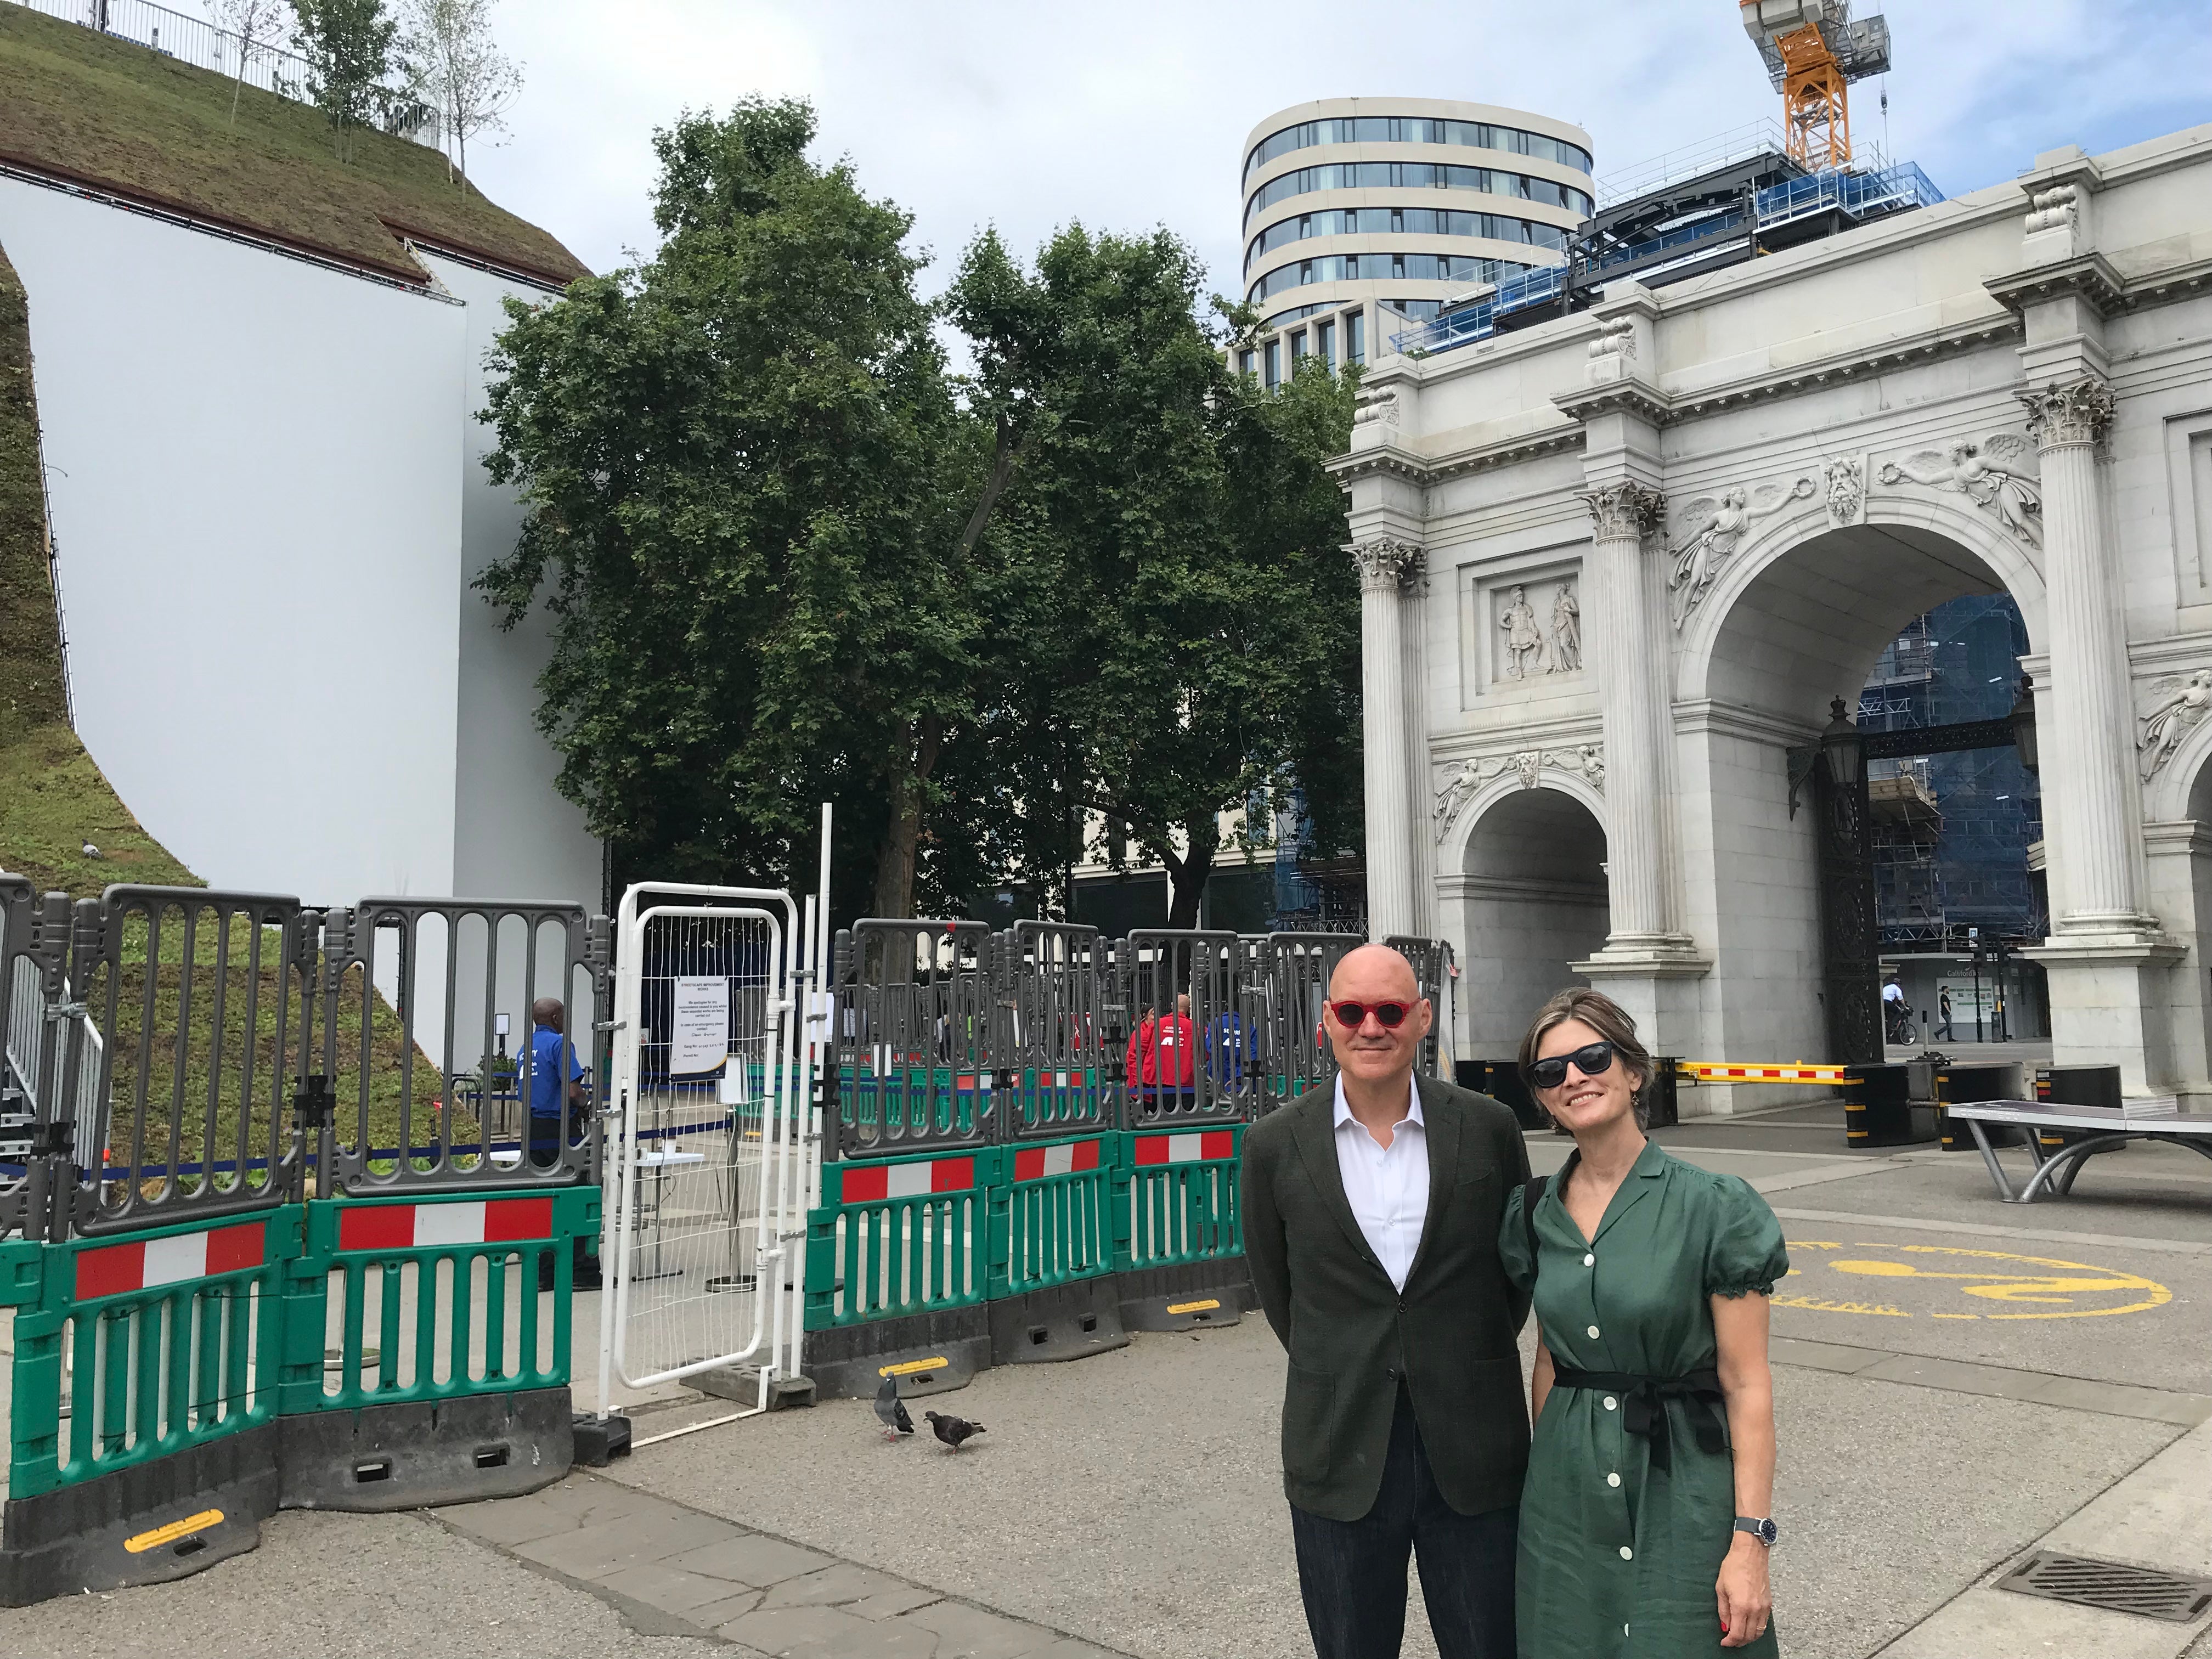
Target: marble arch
x: 1991, y: 562
x: 2011, y: 390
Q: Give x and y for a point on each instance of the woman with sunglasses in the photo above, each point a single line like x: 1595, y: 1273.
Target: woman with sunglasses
x: 1646, y: 1519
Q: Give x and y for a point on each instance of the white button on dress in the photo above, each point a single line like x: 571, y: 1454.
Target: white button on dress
x: 1626, y: 1554
x: 1610, y: 1403
x: 1612, y: 1481
x: 1593, y: 1330
x: 1589, y: 1261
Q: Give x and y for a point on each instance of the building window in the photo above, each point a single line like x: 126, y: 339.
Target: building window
x: 1274, y: 356
x: 1244, y: 362
x: 1397, y: 222
x: 1398, y: 266
x: 1325, y: 342
x: 1355, y: 336
x: 1297, y: 349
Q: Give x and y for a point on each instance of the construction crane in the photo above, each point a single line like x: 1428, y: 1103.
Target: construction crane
x: 1814, y: 49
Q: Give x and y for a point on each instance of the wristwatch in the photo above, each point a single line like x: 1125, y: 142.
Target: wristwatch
x: 1765, y: 1531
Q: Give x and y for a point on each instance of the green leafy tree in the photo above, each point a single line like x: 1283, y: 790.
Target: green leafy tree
x: 348, y: 44
x: 1190, y: 645
x: 753, y: 512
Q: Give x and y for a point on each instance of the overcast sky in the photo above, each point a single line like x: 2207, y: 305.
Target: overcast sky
x: 1134, y: 114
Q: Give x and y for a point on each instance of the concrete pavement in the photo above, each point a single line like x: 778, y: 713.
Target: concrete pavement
x: 1958, y: 1381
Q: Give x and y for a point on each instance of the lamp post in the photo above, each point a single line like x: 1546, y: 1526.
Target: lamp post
x: 1841, y: 748
x: 2023, y: 725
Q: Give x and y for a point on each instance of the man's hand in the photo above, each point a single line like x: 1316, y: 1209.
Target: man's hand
x: 1746, y: 1600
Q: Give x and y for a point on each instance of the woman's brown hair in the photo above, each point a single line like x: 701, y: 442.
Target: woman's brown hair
x: 1602, y: 1014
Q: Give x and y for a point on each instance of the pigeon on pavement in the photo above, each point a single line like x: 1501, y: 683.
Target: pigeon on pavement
x: 952, y: 1429
x: 892, y: 1410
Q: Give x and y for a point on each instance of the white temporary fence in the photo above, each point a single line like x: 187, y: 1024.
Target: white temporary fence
x: 710, y: 1161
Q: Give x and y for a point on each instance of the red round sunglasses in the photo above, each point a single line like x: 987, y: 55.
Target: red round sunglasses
x: 1353, y: 1015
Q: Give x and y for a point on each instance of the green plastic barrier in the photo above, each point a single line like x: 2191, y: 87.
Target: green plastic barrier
x: 439, y: 1374
x: 142, y: 1441
x: 1180, y: 1245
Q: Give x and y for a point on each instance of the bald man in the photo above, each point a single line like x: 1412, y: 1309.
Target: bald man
x: 1371, y: 1208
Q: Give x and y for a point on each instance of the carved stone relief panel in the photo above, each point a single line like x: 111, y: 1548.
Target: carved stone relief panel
x: 1529, y: 625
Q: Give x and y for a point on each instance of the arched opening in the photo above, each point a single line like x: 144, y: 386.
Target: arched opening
x: 1534, y: 897
x: 1801, y: 620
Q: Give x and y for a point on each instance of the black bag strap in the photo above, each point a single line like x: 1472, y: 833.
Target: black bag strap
x: 1532, y: 1195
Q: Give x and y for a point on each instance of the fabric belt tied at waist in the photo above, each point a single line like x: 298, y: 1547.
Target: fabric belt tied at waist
x: 1644, y: 1404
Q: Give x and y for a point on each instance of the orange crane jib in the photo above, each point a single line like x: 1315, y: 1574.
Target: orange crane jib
x: 1814, y: 50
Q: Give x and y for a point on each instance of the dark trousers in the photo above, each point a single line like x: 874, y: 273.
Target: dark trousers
x: 1352, y: 1573
x: 545, y: 1153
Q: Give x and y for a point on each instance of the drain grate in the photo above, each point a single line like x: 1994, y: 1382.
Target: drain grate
x: 2111, y: 1585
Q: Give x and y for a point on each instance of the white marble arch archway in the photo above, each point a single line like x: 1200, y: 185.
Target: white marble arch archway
x: 1523, y: 895
x: 1947, y: 548
x: 1798, y: 616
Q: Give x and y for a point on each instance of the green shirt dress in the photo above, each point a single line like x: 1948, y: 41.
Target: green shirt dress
x: 1622, y: 1536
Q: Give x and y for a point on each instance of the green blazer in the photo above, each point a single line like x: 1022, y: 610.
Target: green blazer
x: 1452, y: 1336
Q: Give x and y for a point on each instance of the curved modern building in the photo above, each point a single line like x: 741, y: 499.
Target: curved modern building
x: 1350, y: 203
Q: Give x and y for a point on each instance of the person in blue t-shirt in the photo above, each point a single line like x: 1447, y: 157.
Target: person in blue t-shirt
x: 552, y: 1057
x: 552, y: 1062
x: 1233, y: 1049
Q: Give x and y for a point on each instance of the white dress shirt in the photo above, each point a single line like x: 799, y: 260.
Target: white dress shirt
x: 1388, y: 1187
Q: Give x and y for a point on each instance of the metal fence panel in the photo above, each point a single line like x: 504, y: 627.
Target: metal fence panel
x: 1051, y: 1043
x: 22, y: 1019
x: 429, y: 1052
x: 1194, y: 1052
x: 1438, y: 975
x: 914, y: 1022
x: 704, y: 1080
x: 1298, y: 968
x: 176, y: 1088
x: 1182, y: 1196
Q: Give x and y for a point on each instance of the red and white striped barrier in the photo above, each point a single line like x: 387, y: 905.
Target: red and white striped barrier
x: 1036, y: 1163
x: 146, y: 1264
x: 1197, y: 1146
x: 872, y: 1183
x: 429, y: 1227
x: 1714, y: 1071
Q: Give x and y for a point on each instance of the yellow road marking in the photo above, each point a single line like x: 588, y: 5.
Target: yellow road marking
x: 2053, y: 1293
x: 139, y: 1544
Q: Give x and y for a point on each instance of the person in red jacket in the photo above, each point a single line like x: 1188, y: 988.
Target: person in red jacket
x: 1162, y: 1060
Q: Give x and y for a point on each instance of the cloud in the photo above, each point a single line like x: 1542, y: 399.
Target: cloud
x: 1135, y: 115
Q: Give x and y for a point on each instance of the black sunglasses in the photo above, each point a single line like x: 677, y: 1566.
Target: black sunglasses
x: 1353, y: 1015
x: 1592, y: 1061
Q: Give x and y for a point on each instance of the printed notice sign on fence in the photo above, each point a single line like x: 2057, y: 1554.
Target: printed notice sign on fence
x: 698, y: 1035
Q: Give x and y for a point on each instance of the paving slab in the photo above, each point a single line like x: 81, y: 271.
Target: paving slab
x: 1135, y: 1498
x: 2162, y: 1195
x: 327, y: 1586
x: 2159, y: 1515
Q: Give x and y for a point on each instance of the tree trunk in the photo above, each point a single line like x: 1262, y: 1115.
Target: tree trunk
x: 1188, y: 875
x: 902, y: 842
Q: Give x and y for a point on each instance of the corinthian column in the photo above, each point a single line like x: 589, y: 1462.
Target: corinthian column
x: 1619, y: 648
x: 1385, y: 564
x: 2089, y: 749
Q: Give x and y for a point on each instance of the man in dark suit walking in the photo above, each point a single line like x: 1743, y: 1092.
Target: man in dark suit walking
x: 1371, y: 1208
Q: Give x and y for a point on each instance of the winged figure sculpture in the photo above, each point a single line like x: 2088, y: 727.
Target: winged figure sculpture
x: 1993, y: 474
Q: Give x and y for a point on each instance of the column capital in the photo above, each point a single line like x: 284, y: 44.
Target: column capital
x: 1386, y: 564
x: 1626, y: 511
x: 2075, y: 413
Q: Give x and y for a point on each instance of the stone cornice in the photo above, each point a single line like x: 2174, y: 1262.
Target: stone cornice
x: 1730, y: 720
x: 2183, y: 835
x: 2164, y: 656
x: 1489, y: 742
x: 1636, y: 397
x: 2089, y: 277
x: 1382, y: 461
